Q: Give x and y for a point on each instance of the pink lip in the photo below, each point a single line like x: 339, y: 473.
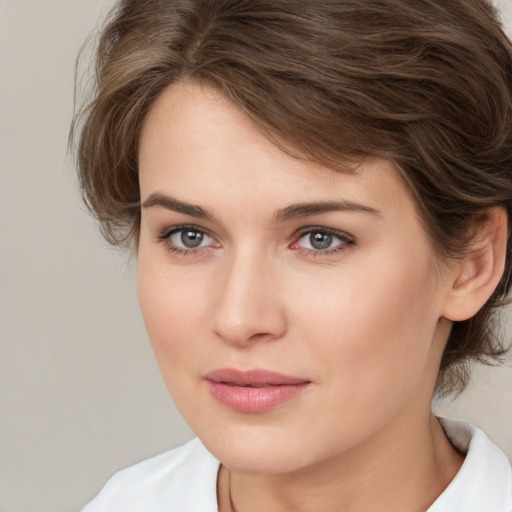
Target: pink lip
x: 253, y: 390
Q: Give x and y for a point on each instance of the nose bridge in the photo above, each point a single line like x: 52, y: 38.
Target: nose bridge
x: 248, y: 307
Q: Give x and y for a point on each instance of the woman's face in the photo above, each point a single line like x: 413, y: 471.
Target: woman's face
x: 295, y: 312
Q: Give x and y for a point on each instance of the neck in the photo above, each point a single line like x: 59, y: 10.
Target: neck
x: 397, y: 470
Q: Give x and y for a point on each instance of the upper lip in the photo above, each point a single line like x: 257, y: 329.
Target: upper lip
x: 254, y: 377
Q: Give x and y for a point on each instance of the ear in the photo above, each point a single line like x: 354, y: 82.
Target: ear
x: 476, y: 276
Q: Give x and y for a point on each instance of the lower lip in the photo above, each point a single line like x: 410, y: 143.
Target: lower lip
x: 253, y: 399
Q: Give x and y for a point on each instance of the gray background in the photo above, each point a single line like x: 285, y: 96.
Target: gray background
x: 80, y: 393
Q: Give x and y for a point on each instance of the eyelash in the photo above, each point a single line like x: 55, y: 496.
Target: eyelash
x: 346, y: 240
x: 165, y: 239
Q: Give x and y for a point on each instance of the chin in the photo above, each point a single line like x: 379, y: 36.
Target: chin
x: 262, y: 449
x: 258, y: 459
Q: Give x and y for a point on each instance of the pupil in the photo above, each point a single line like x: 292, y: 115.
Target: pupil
x: 320, y: 240
x: 191, y: 238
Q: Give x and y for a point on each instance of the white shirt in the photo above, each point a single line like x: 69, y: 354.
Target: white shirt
x: 185, y: 480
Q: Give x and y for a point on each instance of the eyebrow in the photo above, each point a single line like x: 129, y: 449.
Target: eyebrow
x: 294, y: 211
x: 170, y: 203
x: 301, y: 210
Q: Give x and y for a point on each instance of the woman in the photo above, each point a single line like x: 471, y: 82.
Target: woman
x: 318, y: 194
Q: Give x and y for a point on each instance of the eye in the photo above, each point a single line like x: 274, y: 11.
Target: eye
x: 189, y: 238
x: 323, y: 240
x: 184, y: 240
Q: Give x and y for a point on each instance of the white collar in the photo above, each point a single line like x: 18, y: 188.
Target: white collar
x: 484, y: 482
x: 185, y: 479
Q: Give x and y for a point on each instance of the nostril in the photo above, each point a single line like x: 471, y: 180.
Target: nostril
x: 259, y: 336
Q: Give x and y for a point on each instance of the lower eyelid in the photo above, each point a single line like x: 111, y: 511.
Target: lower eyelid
x: 164, y: 237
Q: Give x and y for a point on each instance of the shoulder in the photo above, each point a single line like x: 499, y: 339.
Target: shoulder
x: 484, y: 482
x: 185, y: 478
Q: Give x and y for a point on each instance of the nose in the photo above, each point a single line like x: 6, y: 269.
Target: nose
x: 249, y: 307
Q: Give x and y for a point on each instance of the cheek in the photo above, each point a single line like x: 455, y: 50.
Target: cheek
x: 371, y: 327
x: 173, y: 309
x: 170, y: 308
x: 371, y: 336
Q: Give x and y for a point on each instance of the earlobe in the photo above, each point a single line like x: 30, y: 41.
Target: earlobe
x: 476, y: 276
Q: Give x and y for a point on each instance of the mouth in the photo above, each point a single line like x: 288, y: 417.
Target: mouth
x: 253, y: 391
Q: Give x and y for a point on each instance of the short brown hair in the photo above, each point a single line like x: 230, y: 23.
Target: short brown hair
x: 425, y: 83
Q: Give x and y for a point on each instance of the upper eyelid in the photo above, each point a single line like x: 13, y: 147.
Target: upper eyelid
x: 164, y: 238
x: 299, y: 233
x: 167, y: 232
x: 331, y: 231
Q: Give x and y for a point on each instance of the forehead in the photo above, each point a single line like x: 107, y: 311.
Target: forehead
x: 197, y: 143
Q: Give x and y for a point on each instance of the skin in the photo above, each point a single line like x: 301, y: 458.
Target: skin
x: 365, y: 321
